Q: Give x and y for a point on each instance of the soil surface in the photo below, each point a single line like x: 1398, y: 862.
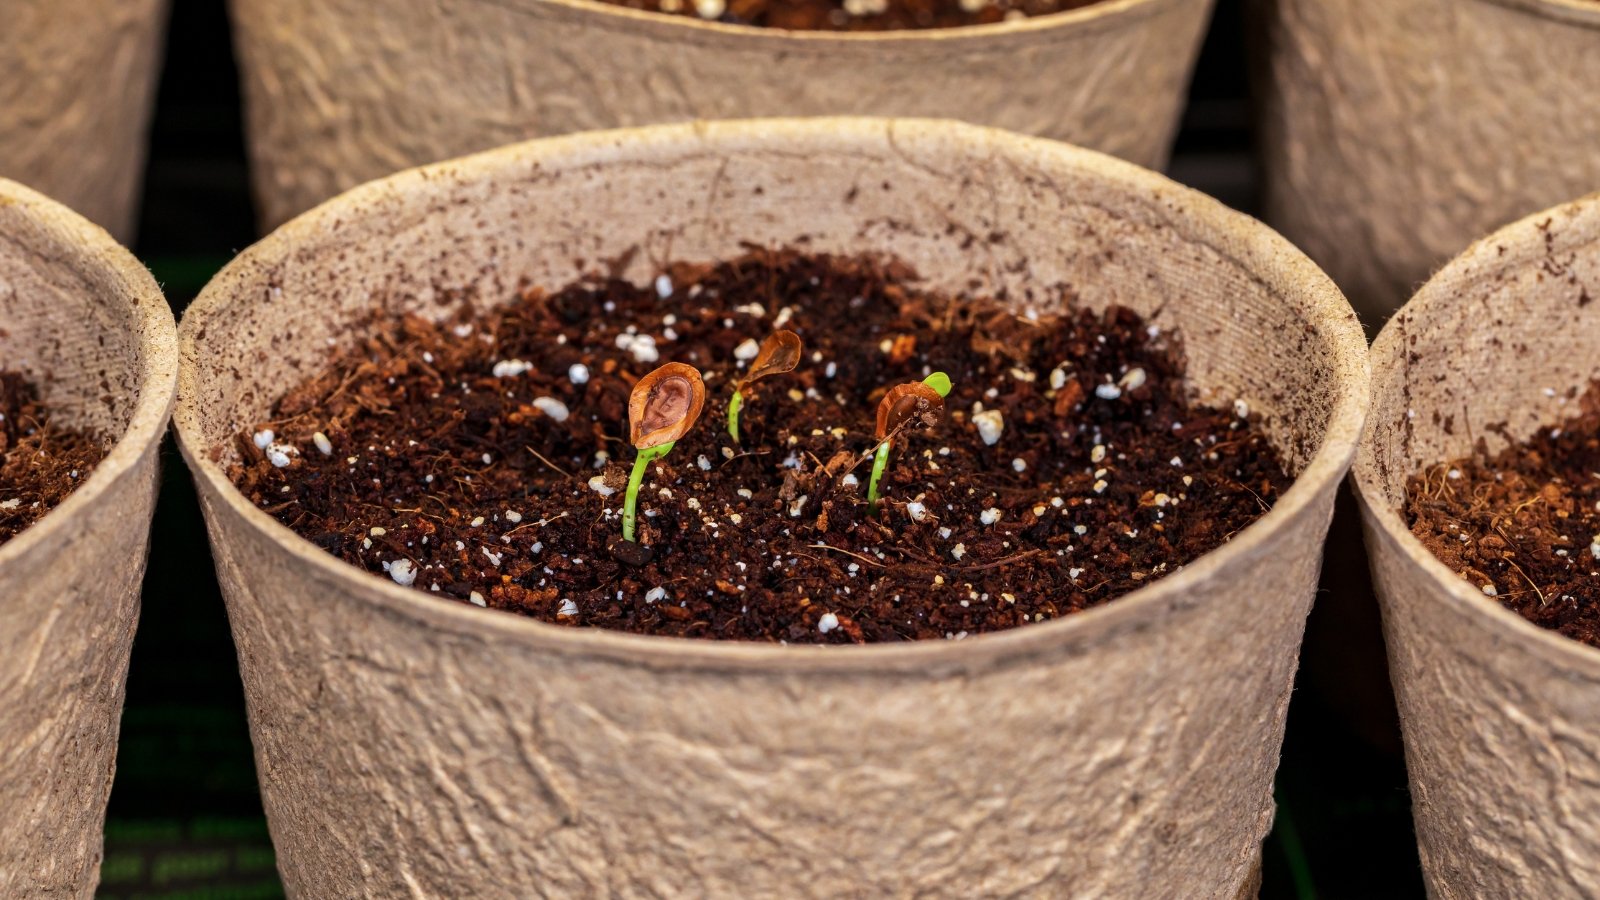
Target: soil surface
x: 855, y: 15
x: 40, y: 463
x: 1523, y: 525
x: 482, y: 458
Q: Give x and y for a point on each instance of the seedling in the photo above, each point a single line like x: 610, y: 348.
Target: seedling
x: 662, y: 408
x: 779, y: 354
x: 919, y: 403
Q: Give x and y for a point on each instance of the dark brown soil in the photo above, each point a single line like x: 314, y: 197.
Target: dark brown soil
x: 1523, y: 525
x: 40, y: 463
x: 454, y: 475
x: 855, y: 15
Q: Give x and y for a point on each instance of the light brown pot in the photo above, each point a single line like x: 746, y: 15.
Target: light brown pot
x: 75, y: 98
x: 342, y: 91
x: 1397, y: 131
x: 1502, y: 727
x: 87, y: 322
x: 409, y: 744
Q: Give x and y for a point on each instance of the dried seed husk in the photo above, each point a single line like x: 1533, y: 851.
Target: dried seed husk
x: 664, y: 405
x: 910, y: 405
x: 779, y: 354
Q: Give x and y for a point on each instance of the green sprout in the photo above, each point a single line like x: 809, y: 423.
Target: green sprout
x: 904, y: 406
x: 662, y: 408
x: 779, y: 354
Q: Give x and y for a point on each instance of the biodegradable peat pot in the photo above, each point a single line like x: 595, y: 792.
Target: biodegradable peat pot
x: 89, y: 326
x: 341, y: 92
x: 1397, y: 131
x: 409, y: 744
x: 79, y: 83
x: 1502, y: 730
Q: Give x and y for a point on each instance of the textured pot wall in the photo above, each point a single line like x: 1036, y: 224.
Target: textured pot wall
x: 79, y: 81
x: 342, y: 91
x: 1397, y: 131
x: 89, y: 325
x: 1501, y: 726
x: 407, y: 744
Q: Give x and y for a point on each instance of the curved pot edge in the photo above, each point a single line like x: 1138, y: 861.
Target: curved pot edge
x: 157, y: 387
x: 1580, y: 13
x: 670, y: 28
x: 1522, y: 240
x: 1318, y: 479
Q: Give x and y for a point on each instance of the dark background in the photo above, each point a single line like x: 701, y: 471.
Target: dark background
x: 185, y: 817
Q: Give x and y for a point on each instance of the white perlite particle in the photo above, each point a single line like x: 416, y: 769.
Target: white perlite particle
x: 917, y: 511
x: 1134, y: 378
x: 1107, y: 391
x: 827, y: 623
x: 703, y: 463
x: 990, y: 424
x: 263, y: 438
x: 747, y: 350
x: 578, y: 373
x: 1098, y: 454
x: 1594, y: 548
x: 10, y: 504
x: 1241, y: 409
x: 568, y: 609
x: 510, y: 368
x: 663, y: 283
x: 642, y: 346
x: 1058, y: 378
x: 324, y: 446
x: 655, y: 594
x: 989, y: 516
x: 552, y: 407
x: 1100, y: 486
x: 1489, y: 589
x: 958, y: 551
x: 280, y: 455
x: 513, y: 516
x: 1020, y: 464
x: 477, y: 599
x: 403, y: 571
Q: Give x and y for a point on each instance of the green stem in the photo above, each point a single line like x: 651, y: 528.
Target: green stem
x: 734, y: 406
x: 879, y: 463
x: 630, y: 517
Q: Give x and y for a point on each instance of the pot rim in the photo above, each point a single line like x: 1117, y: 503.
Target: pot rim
x: 1259, y: 248
x: 152, y: 319
x: 673, y: 27
x: 1580, y: 13
x: 1522, y: 241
